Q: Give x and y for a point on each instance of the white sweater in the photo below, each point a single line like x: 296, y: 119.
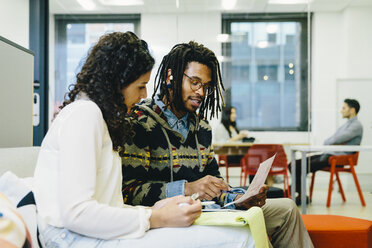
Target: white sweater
x: 221, y: 135
x: 78, y: 178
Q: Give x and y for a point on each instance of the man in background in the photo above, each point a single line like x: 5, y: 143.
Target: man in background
x: 349, y: 133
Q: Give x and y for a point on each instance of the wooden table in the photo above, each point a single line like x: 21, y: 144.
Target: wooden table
x: 231, y: 148
x: 236, y: 148
x: 307, y: 149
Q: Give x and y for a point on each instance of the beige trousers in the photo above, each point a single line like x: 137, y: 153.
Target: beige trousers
x: 284, y: 224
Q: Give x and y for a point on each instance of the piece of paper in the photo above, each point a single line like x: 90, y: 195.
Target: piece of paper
x: 258, y: 181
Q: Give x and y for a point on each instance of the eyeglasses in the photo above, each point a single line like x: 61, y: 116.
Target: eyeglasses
x: 195, y: 85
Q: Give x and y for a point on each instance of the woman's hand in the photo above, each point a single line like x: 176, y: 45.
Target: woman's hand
x: 161, y: 203
x: 178, y: 211
x: 243, y: 134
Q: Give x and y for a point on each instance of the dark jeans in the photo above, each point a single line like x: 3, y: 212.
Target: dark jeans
x: 234, y: 159
x: 316, y: 162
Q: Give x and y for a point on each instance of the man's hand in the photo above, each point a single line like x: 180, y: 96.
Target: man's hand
x: 207, y: 187
x: 257, y: 200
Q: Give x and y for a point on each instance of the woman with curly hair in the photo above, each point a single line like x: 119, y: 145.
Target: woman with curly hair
x: 78, y: 175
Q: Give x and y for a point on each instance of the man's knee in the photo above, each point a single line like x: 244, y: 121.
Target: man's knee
x: 283, y: 207
x: 282, y: 203
x: 289, y: 203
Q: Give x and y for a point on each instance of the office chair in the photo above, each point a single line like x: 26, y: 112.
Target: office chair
x: 222, y: 161
x: 259, y: 153
x: 340, y: 163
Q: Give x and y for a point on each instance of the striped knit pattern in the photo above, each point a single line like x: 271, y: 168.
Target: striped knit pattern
x: 150, y: 161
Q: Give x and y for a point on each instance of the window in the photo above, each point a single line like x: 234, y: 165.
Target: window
x: 75, y: 35
x: 264, y: 67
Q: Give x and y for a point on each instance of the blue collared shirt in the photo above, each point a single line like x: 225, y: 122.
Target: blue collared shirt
x: 179, y: 125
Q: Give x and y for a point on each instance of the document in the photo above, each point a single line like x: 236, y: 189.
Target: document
x: 258, y: 181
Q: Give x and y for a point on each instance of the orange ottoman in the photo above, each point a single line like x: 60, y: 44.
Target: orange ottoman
x: 338, y: 231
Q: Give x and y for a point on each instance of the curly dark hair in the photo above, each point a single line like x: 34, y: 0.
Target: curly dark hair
x: 117, y: 60
x: 177, y: 60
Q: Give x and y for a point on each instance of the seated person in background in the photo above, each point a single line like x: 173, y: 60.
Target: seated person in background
x: 78, y: 175
x: 349, y: 133
x: 227, y: 131
x: 172, y: 154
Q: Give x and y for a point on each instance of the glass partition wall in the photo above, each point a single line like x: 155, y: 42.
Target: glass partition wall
x: 74, y: 36
x: 265, y: 64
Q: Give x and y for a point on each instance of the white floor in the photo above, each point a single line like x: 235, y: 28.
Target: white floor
x: 352, y: 207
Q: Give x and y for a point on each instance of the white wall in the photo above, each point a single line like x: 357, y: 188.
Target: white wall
x: 14, y: 21
x: 327, y: 50
x: 341, y: 53
x: 358, y: 36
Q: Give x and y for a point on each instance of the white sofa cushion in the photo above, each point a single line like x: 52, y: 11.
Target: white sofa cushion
x: 20, y: 160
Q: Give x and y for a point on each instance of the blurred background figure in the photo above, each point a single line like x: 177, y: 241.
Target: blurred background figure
x: 227, y: 130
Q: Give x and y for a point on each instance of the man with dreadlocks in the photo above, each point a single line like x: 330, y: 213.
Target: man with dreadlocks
x: 171, y: 153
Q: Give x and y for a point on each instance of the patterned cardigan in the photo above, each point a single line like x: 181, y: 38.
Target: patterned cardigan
x: 158, y: 155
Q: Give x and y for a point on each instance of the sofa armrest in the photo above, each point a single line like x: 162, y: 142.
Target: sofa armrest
x: 20, y: 160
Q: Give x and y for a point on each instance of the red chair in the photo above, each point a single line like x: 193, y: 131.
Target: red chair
x: 259, y: 153
x: 340, y: 163
x: 222, y: 161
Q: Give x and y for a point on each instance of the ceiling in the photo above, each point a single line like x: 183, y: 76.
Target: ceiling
x: 187, y: 6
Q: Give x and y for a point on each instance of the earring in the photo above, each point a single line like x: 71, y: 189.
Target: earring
x: 170, y: 86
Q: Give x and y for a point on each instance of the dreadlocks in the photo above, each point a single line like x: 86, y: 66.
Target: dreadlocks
x: 177, y: 60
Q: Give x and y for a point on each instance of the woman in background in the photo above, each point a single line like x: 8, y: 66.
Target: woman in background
x: 227, y: 130
x: 78, y: 175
